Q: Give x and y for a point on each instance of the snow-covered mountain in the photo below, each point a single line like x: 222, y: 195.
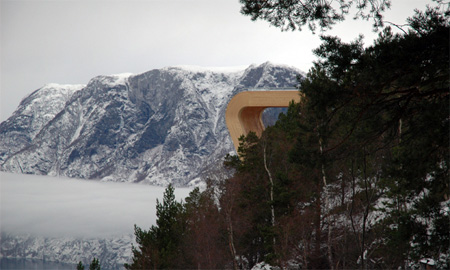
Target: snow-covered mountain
x: 113, y: 253
x: 162, y: 126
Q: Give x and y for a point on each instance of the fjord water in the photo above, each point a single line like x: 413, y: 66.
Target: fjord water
x: 21, y: 264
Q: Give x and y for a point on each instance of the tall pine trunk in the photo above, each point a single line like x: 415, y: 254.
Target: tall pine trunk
x: 327, y: 205
x: 231, y: 240
x: 272, y: 210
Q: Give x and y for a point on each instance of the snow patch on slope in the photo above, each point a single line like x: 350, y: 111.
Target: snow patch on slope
x: 105, y: 130
x: 193, y: 68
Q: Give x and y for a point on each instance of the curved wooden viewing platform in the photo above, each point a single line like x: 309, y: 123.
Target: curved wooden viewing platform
x: 245, y: 109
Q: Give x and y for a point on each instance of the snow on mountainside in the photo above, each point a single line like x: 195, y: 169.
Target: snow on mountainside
x: 162, y: 126
x: 33, y: 113
x: 113, y: 253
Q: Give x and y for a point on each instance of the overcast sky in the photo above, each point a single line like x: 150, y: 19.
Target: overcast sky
x: 69, y: 42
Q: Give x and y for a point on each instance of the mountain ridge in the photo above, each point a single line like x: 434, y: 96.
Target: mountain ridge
x: 158, y: 127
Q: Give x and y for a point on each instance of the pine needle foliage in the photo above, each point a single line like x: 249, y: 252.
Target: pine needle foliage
x: 355, y: 176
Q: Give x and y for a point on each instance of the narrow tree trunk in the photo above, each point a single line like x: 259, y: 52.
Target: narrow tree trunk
x: 231, y: 240
x: 327, y: 206
x: 305, y: 253
x: 352, y: 207
x: 318, y: 229
x: 365, y: 214
x: 369, y: 197
x: 272, y: 210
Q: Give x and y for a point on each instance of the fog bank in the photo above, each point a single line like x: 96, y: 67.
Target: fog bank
x: 56, y: 207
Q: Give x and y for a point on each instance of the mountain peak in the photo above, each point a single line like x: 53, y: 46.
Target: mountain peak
x: 111, y: 80
x: 269, y: 64
x: 199, y: 69
x: 157, y: 127
x: 72, y: 87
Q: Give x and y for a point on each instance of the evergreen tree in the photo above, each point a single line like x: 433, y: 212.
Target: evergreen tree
x: 204, y: 244
x: 95, y: 264
x: 293, y: 15
x: 80, y: 266
x: 353, y: 176
x: 372, y: 127
x: 382, y: 115
x: 159, y: 247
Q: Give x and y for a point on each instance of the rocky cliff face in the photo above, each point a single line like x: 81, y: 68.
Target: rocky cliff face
x: 162, y: 126
x: 33, y: 113
x: 113, y: 253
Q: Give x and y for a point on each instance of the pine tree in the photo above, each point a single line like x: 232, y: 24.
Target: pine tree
x: 159, y: 247
x: 382, y: 115
x: 353, y: 176
x: 80, y: 266
x: 204, y: 242
x: 95, y: 264
x: 372, y: 126
x: 294, y: 14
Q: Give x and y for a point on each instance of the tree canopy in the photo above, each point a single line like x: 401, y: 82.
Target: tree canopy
x: 295, y: 14
x: 353, y: 176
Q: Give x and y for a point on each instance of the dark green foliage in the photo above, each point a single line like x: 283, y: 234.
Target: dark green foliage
x: 204, y: 244
x: 354, y: 176
x: 253, y: 203
x: 186, y: 236
x: 383, y: 114
x: 159, y: 246
x: 294, y: 14
x: 95, y: 264
x: 372, y: 126
x: 169, y: 230
x: 80, y: 266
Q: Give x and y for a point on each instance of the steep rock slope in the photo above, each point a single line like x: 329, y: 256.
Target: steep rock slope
x: 113, y: 253
x: 33, y: 113
x: 162, y: 126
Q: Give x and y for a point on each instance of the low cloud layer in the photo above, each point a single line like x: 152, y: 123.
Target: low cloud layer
x: 61, y: 207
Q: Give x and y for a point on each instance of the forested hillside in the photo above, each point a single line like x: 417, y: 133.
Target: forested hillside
x: 354, y: 176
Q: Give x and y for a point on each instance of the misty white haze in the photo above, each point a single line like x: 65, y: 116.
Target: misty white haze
x: 61, y: 207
